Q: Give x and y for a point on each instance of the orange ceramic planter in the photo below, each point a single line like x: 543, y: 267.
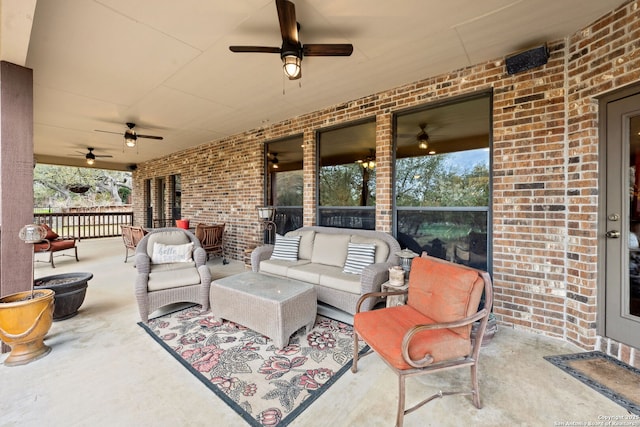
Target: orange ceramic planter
x: 182, y: 223
x: 24, y: 324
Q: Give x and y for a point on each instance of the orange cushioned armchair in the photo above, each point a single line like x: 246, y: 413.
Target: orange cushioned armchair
x: 433, y: 330
x: 55, y: 243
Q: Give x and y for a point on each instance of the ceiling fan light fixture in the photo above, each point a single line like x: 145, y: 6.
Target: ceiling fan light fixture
x: 130, y: 138
x: 423, y: 137
x: 275, y: 161
x: 91, y: 158
x: 292, y: 66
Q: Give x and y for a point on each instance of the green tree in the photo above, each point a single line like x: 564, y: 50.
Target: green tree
x: 52, y: 186
x: 341, y: 185
x: 289, y: 188
x: 434, y: 181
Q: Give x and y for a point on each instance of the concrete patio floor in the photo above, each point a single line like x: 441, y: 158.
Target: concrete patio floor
x: 104, y: 370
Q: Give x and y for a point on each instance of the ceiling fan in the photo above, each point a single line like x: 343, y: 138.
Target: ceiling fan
x: 274, y: 160
x: 422, y: 137
x: 131, y: 136
x: 91, y: 158
x: 292, y: 50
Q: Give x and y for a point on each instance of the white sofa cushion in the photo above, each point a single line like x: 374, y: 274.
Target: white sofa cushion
x: 173, y: 266
x: 309, y: 273
x: 330, y: 249
x: 326, y: 275
x: 334, y: 278
x: 279, y: 267
x: 306, y: 242
x: 167, y: 279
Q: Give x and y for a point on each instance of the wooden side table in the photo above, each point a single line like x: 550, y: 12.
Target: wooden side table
x: 395, y: 300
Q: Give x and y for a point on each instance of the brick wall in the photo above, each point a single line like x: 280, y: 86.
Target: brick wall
x: 545, y: 172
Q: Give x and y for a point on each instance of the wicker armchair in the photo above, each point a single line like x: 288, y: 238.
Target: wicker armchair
x: 433, y: 331
x: 168, y: 272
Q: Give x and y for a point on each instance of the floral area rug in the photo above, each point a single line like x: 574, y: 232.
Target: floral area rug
x: 264, y: 385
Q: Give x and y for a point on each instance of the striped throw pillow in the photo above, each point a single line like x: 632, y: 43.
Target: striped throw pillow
x: 286, y: 248
x: 359, y: 256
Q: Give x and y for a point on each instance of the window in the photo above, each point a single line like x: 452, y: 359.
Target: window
x: 176, y: 203
x: 284, y: 180
x: 347, y: 176
x: 442, y: 181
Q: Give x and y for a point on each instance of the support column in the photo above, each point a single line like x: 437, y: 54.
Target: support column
x: 16, y: 175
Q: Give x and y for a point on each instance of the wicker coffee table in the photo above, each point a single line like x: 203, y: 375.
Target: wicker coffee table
x: 274, y: 306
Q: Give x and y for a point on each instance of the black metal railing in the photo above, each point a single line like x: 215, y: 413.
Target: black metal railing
x: 86, y: 225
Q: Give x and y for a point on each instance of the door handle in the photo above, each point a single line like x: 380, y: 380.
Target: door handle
x: 613, y: 234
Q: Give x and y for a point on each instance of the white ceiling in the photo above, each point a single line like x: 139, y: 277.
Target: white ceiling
x: 166, y: 66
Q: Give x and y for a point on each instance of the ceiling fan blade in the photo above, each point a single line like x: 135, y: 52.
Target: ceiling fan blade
x: 107, y: 131
x: 149, y: 136
x: 102, y: 155
x: 327, y: 49
x: 287, y: 18
x: 254, y: 49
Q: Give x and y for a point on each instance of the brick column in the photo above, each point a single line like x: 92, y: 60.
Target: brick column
x: 309, y: 166
x: 384, y: 172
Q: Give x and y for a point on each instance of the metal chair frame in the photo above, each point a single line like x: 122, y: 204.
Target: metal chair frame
x: 426, y: 365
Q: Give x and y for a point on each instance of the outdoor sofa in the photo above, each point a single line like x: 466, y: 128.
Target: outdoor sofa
x: 337, y: 261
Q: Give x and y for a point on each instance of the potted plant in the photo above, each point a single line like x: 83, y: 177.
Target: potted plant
x: 182, y: 223
x: 25, y: 317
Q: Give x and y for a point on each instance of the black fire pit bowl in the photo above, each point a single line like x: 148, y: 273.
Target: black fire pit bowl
x: 70, y: 290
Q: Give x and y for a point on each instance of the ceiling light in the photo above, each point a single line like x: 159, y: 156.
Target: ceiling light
x: 423, y: 137
x: 130, y: 138
x: 369, y: 162
x: 275, y: 161
x: 292, y: 66
x: 90, y: 161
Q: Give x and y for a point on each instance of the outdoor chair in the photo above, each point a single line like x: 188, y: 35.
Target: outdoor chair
x: 172, y: 268
x: 131, y: 235
x: 55, y: 243
x: 432, y: 332
x: 211, y: 238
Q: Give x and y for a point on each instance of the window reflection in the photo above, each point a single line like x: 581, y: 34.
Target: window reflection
x: 442, y: 181
x: 347, y: 176
x: 285, y: 182
x: 634, y: 220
